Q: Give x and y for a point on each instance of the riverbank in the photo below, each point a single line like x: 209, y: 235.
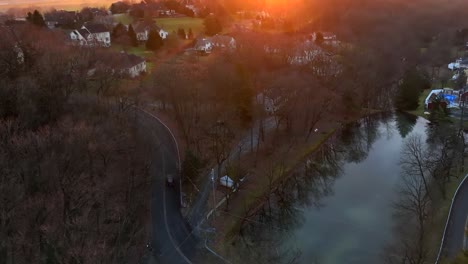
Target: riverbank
x: 442, y: 214
x: 439, y: 218
x: 272, y: 165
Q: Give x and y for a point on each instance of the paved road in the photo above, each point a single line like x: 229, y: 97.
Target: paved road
x: 172, y: 240
x: 455, y: 233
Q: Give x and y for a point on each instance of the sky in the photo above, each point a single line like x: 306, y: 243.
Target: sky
x: 64, y: 4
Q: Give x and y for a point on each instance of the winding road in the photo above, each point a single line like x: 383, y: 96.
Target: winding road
x: 454, y: 238
x: 172, y: 239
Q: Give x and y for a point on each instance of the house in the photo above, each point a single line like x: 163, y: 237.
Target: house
x: 142, y: 30
x: 206, y: 45
x: 304, y: 53
x: 51, y: 24
x: 61, y: 18
x: 461, y: 63
x: 193, y: 8
x: 448, y: 96
x: 92, y: 35
x: 203, y: 45
x: 220, y: 41
x: 327, y: 36
x: 122, y: 63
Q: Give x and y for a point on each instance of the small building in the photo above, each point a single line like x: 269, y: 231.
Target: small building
x: 122, y: 64
x: 203, y: 45
x: 222, y: 41
x: 327, y: 36
x: 92, y: 35
x: 142, y: 30
x: 461, y: 63
x: 448, y: 97
x: 206, y: 45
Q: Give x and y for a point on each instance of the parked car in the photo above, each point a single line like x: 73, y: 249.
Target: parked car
x: 170, y: 180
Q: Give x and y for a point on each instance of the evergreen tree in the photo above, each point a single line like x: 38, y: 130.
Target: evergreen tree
x: 410, y: 88
x: 212, y: 26
x: 190, y: 34
x: 155, y: 41
x: 36, y: 18
x: 119, y: 30
x: 181, y: 33
x: 132, y: 35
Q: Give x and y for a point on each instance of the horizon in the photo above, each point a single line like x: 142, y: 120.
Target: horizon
x: 5, y: 5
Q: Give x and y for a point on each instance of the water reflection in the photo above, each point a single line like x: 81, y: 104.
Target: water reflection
x: 336, y: 207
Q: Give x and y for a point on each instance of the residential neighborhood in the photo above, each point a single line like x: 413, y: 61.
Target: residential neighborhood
x: 234, y: 131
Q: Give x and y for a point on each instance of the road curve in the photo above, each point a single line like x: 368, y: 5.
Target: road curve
x: 454, y: 235
x: 172, y: 240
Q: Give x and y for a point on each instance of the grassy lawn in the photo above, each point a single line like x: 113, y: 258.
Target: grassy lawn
x: 123, y: 18
x: 172, y: 24
x: 139, y: 51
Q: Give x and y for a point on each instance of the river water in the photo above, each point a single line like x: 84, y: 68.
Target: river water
x: 337, y: 208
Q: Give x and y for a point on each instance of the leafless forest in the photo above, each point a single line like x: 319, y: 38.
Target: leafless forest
x: 74, y: 182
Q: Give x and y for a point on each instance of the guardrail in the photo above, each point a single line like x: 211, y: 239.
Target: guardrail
x: 448, y: 218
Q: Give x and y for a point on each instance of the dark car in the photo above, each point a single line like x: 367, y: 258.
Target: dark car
x: 170, y: 180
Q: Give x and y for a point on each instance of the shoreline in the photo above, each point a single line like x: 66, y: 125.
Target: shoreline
x: 226, y: 233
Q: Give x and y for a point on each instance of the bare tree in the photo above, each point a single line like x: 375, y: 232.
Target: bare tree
x: 220, y: 137
x: 415, y: 158
x: 413, y: 212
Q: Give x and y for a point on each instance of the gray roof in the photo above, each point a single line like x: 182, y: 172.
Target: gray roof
x: 120, y: 60
x: 83, y: 32
x: 201, y: 42
x: 96, y: 28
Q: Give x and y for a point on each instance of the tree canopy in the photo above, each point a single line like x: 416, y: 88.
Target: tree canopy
x: 154, y: 41
x: 132, y: 35
x: 36, y: 18
x: 212, y: 26
x: 409, y: 90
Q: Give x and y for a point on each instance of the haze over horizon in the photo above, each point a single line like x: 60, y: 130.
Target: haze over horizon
x: 66, y: 4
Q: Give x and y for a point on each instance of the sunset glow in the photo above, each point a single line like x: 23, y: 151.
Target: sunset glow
x: 46, y: 4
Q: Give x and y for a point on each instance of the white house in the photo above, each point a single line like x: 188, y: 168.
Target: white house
x: 203, y: 45
x: 142, y: 30
x: 459, y: 64
x: 206, y: 45
x: 130, y: 65
x: 122, y: 64
x: 220, y: 41
x: 92, y: 35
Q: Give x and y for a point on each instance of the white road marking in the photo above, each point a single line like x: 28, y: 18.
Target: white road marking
x: 165, y: 216
x: 465, y: 237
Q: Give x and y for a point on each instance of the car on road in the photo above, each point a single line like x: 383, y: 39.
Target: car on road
x: 170, y: 180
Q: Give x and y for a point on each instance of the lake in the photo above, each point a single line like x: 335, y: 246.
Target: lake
x: 337, y: 207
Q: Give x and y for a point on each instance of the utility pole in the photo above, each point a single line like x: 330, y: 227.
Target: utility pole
x: 462, y: 106
x: 213, y: 180
x: 461, y: 134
